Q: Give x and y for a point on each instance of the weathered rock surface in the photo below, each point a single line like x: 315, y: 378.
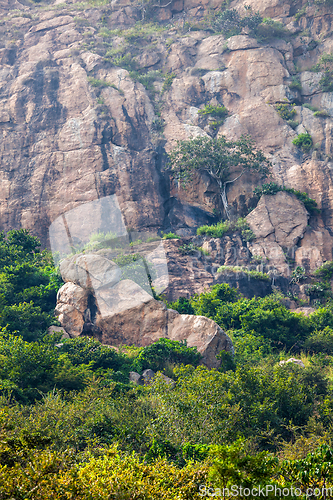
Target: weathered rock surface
x: 126, y: 314
x: 278, y: 222
x: 76, y: 127
x: 90, y: 271
x: 142, y: 324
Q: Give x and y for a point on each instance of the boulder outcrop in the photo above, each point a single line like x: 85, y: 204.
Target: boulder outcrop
x: 278, y: 222
x: 126, y: 314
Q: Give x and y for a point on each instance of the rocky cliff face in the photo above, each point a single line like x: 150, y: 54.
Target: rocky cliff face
x: 86, y: 112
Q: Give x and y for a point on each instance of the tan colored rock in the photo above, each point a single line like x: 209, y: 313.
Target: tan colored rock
x: 281, y: 215
x: 121, y: 297
x: 148, y: 59
x: 304, y: 310
x: 72, y: 302
x: 148, y: 321
x: 58, y: 329
x: 70, y: 318
x: 314, y: 249
x: 241, y: 42
x: 90, y: 271
x: 278, y: 222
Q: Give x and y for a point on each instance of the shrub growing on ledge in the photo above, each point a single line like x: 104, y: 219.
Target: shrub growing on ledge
x: 256, y: 275
x: 304, y: 142
x: 286, y: 111
x: 222, y: 227
x: 325, y: 271
x: 210, y: 109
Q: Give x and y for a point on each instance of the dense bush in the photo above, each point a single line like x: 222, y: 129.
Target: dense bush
x: 223, y: 227
x: 28, y: 285
x: 157, y: 355
x: 71, y: 426
x: 286, y: 111
x: 304, y: 142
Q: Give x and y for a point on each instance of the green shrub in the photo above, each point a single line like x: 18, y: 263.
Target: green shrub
x: 304, y: 142
x: 269, y: 29
x: 216, y: 230
x: 168, y: 79
x: 88, y: 351
x: 157, y: 355
x: 325, y: 65
x: 188, y: 249
x: 298, y: 274
x: 230, y: 23
x: 286, y: 111
x: 26, y: 320
x: 221, y: 228
x: 309, y: 106
x: 124, y: 260
x: 320, y: 341
x: 325, y: 271
x: 295, y: 84
x: 210, y: 109
x: 170, y: 236
x: 182, y: 305
x: 318, y: 290
x: 94, y: 82
x: 322, y: 114
x: 207, y: 303
x: 256, y: 275
x: 126, y: 61
x: 147, y: 79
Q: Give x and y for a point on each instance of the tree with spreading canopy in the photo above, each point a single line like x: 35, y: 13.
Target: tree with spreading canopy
x: 225, y: 161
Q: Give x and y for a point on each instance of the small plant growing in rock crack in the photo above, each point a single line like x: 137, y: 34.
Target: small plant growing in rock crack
x: 325, y: 271
x: 325, y: 65
x: 298, y: 275
x: 158, y: 124
x: 169, y: 78
x: 295, y: 83
x: 190, y: 248
x: 223, y: 227
x: 219, y: 112
x: 286, y: 111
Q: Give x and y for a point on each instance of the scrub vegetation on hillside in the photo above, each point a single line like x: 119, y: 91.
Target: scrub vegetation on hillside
x: 72, y: 426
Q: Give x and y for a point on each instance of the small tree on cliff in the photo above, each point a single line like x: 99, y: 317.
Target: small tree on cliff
x: 225, y: 161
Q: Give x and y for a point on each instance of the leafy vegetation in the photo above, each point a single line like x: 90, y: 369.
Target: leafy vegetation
x: 170, y: 236
x: 229, y: 22
x: 256, y: 275
x: 28, y: 285
x: 224, y: 227
x: 219, y: 158
x: 325, y: 65
x: 304, y: 142
x: 72, y: 426
x: 272, y: 188
x: 168, y: 79
x: 286, y: 111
